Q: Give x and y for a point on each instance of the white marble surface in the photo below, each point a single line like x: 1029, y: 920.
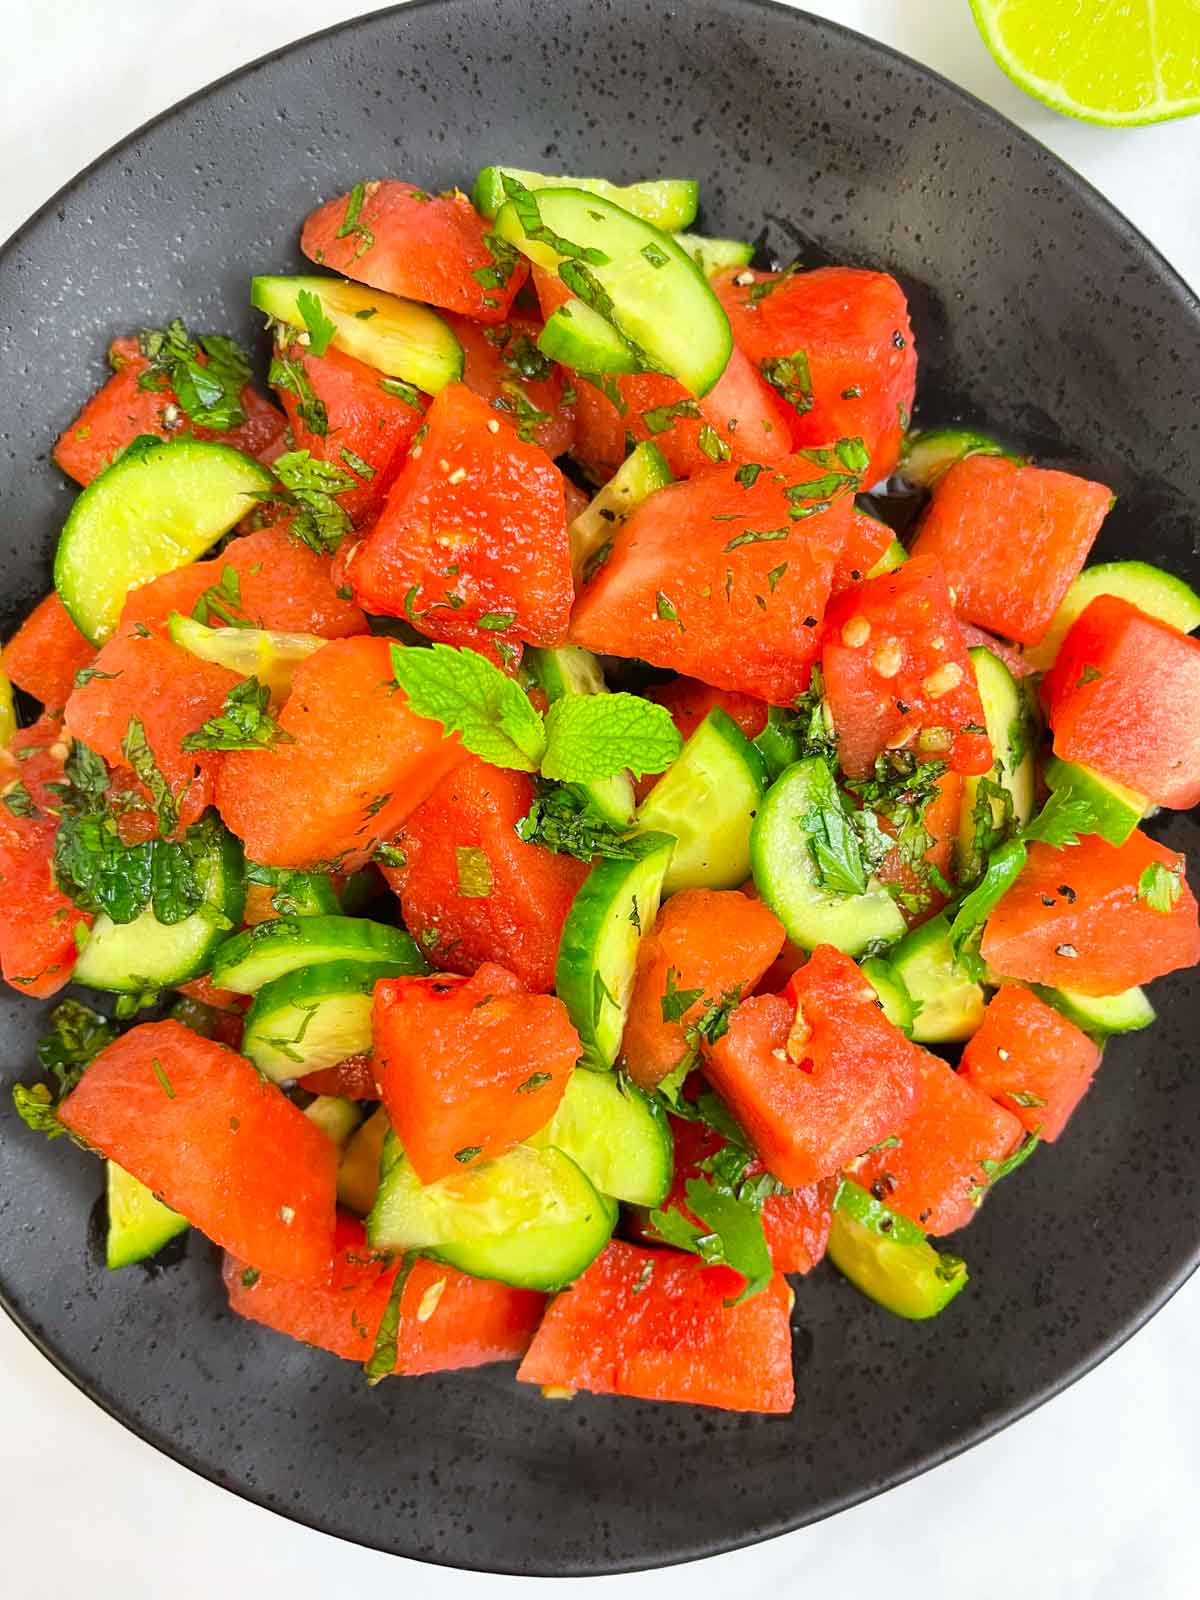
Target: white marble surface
x: 1094, y: 1497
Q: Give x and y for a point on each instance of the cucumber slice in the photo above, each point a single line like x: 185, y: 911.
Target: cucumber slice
x: 138, y: 1222
x: 1159, y: 594
x: 1009, y: 722
x: 149, y: 513
x: 296, y: 894
x: 708, y: 799
x: 597, y: 955
x: 666, y: 202
x: 949, y: 1004
x: 335, y: 1116
x: 143, y: 955
x: 1118, y: 809
x: 398, y: 337
x: 785, y: 873
x: 8, y: 715
x: 579, y: 338
x: 314, y: 1017
x: 1127, y: 1012
x: 894, y: 556
x: 362, y: 1156
x: 649, y: 289
x: 893, y: 994
x: 250, y: 652
x: 591, y: 535
x: 618, y: 1135
x: 531, y: 1218
x: 273, y: 949
x: 715, y: 255
x: 889, y: 1258
x: 929, y: 452
x: 571, y: 670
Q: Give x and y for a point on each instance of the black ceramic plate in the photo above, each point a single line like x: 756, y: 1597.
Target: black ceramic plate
x: 1040, y: 313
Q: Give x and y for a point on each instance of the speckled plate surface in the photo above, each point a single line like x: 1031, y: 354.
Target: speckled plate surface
x: 1038, y: 312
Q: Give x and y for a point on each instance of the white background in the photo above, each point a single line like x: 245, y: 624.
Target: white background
x: 1094, y: 1496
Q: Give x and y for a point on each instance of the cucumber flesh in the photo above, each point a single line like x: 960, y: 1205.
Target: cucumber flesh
x: 139, y: 1224
x: 530, y: 1218
x: 314, y: 1017
x: 708, y: 799
x: 1159, y: 594
x: 273, y: 949
x: 786, y: 875
x: 642, y: 283
x: 666, y: 202
x: 1118, y: 810
x: 147, y: 514
x: 1101, y: 1015
x: 715, y: 255
x: 927, y: 454
x: 335, y: 1115
x: 893, y: 995
x: 398, y: 337
x: 618, y: 1135
x: 359, y: 1168
x: 949, y: 1005
x: 597, y: 955
x: 250, y: 652
x: 579, y: 338
x: 643, y: 471
x: 570, y: 670
x: 894, y: 556
x: 297, y: 894
x: 143, y: 955
x: 889, y: 1258
x: 1009, y: 722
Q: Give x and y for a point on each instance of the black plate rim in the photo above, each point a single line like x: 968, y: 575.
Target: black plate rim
x: 1118, y: 223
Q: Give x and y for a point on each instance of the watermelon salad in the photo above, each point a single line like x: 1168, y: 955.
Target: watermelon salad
x: 569, y: 809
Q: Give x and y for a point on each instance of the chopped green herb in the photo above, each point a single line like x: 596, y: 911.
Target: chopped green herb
x: 675, y: 1001
x: 286, y: 372
x: 207, y: 375
x: 399, y: 390
x: 667, y: 611
x: 1160, y: 886
x: 243, y: 722
x: 357, y: 465
x: 320, y: 329
x: 757, y: 536
x: 789, y: 375
x: 351, y: 227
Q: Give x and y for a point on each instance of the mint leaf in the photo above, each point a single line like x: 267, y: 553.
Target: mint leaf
x: 995, y: 1170
x: 207, y: 375
x: 320, y: 329
x: 136, y: 750
x: 243, y: 723
x: 77, y: 1035
x: 1061, y: 820
x: 677, y: 1002
x: 469, y: 696
x: 594, y: 736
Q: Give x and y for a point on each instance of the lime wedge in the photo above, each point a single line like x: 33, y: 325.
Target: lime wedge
x: 1112, y: 61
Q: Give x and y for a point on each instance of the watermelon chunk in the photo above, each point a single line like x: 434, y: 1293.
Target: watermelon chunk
x: 1097, y: 918
x: 1010, y: 539
x: 657, y: 1325
x: 447, y: 1320
x: 1123, y: 697
x: 714, y: 941
x: 46, y: 652
x: 716, y: 578
x: 846, y: 334
x: 818, y: 1075
x: 471, y: 890
x: 471, y: 545
x: 935, y: 1174
x: 435, y: 248
x: 1031, y: 1059
x: 227, y: 1150
x: 468, y: 1066
x: 361, y: 760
